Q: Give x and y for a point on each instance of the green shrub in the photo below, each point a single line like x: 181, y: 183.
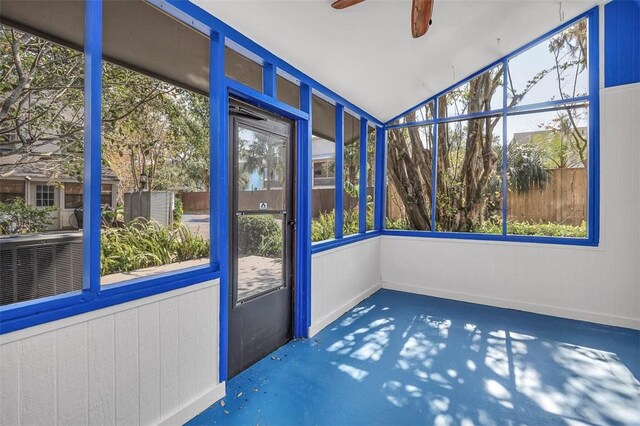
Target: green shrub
x: 537, y: 229
x: 17, y: 217
x: 402, y: 224
x: 323, y: 227
x: 259, y: 235
x: 178, y: 210
x: 141, y: 244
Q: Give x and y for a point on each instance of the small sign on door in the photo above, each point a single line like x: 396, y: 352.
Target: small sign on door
x: 263, y: 206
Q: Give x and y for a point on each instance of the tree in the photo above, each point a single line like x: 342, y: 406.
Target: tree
x: 17, y: 217
x: 469, y: 153
x: 148, y: 125
x: 262, y: 153
x: 41, y: 98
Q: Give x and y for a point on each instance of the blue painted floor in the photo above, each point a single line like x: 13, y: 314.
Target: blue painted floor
x: 399, y: 358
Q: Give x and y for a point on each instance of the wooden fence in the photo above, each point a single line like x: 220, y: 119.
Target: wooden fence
x: 323, y: 200
x: 563, y: 200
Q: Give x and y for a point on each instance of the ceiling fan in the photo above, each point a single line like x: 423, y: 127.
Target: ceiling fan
x: 421, y: 11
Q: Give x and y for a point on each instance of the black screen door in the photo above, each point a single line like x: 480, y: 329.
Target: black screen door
x: 262, y: 234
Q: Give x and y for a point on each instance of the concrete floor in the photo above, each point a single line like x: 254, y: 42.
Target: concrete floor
x: 399, y: 358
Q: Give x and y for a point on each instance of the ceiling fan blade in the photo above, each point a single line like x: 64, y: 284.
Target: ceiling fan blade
x: 421, y: 11
x: 342, y: 4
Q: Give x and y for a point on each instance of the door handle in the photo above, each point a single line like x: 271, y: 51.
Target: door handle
x: 292, y: 223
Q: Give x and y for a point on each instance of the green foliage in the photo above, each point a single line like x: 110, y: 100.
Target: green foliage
x: 31, y: 67
x: 401, y: 224
x: 350, y: 222
x: 525, y: 168
x: 111, y: 217
x: 142, y: 244
x: 17, y: 217
x: 178, y: 210
x: 259, y: 235
x: 323, y: 227
x: 262, y: 154
x: 538, y: 229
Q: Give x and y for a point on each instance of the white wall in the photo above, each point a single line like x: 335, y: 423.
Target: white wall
x: 341, y: 278
x: 599, y: 284
x: 148, y: 361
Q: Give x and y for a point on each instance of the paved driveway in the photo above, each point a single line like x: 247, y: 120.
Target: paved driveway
x: 197, y: 223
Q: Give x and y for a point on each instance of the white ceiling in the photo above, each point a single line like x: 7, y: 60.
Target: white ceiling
x: 366, y: 53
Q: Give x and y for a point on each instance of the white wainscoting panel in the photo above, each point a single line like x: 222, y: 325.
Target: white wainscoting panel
x: 341, y: 278
x: 149, y: 361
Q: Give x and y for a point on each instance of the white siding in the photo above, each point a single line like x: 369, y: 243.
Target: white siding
x: 143, y: 362
x: 341, y: 278
x: 599, y: 284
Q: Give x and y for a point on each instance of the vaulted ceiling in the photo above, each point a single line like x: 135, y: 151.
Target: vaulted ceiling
x: 366, y: 52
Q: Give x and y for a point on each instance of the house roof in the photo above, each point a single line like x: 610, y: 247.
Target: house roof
x: 41, y: 167
x: 525, y: 137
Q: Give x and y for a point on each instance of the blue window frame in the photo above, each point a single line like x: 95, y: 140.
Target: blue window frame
x: 367, y: 225
x: 30, y: 313
x: 507, y: 113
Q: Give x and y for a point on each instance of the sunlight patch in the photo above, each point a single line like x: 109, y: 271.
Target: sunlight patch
x: 355, y: 373
x: 439, y: 404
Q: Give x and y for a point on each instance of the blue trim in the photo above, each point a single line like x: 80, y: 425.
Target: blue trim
x: 593, y: 218
x: 269, y: 79
x: 219, y: 216
x: 412, y: 124
x: 490, y: 66
x: 302, y: 310
x: 505, y: 157
x: 21, y: 311
x: 518, y: 109
x: 546, y: 105
x: 593, y: 196
x: 261, y: 100
x: 621, y: 42
x: 492, y: 237
x: 350, y: 239
x: 92, y: 146
x: 434, y: 167
x: 362, y: 201
x: 381, y: 177
x: 70, y: 304
x: 339, y: 165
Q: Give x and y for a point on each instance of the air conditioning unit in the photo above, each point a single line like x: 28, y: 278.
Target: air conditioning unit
x: 36, y: 266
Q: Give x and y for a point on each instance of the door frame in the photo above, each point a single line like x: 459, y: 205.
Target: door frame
x: 219, y: 112
x: 273, y: 125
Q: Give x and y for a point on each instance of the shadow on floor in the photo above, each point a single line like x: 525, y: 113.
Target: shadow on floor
x: 399, y: 358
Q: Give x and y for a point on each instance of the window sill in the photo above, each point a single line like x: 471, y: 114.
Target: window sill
x: 330, y: 244
x: 29, y: 313
x: 497, y: 238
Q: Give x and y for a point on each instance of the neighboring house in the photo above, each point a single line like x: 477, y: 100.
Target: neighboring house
x: 37, y: 180
x: 323, y: 158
